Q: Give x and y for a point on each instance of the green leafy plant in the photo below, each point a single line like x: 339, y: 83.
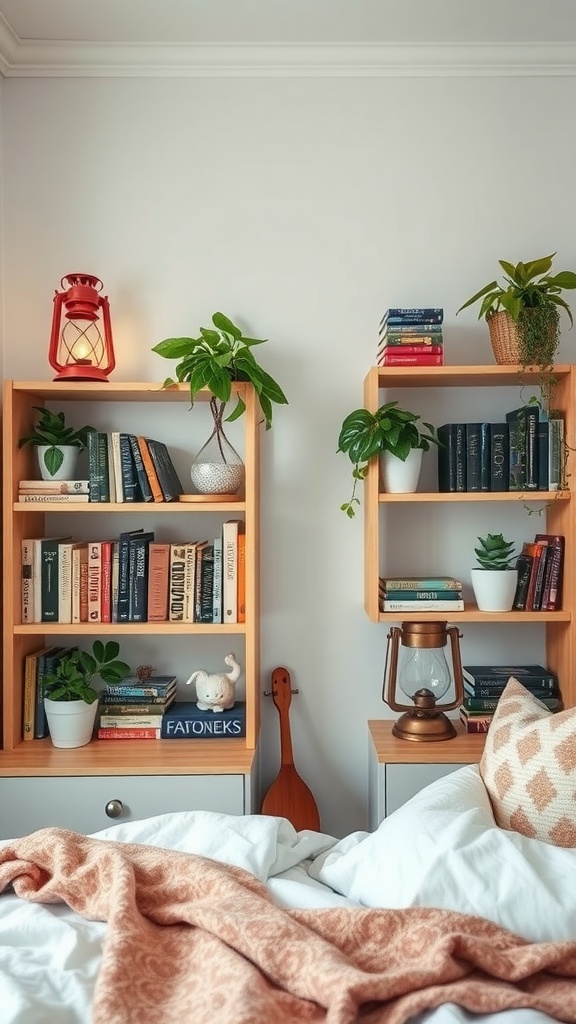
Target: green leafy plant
x: 364, y: 435
x: 532, y: 297
x: 50, y: 431
x: 219, y: 356
x: 495, y: 552
x: 75, y: 672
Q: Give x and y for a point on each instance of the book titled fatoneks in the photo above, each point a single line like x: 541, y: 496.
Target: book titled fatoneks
x: 184, y: 721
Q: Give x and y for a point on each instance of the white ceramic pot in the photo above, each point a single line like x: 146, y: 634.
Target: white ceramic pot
x: 67, y: 467
x: 400, y: 477
x: 494, y: 589
x: 71, y: 722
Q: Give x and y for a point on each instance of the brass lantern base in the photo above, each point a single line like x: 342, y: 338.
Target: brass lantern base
x: 414, y: 725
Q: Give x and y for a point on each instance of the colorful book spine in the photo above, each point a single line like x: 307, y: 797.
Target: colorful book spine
x: 65, y: 581
x: 516, y: 421
x: 403, y: 359
x: 423, y: 606
x: 123, y: 598
x: 129, y: 477
x: 156, y: 686
x: 106, y: 581
x: 543, y: 450
x: 165, y: 470
x: 532, y: 448
x: 27, y: 562
x: 185, y: 720
x: 54, y: 486
x: 53, y: 499
x: 157, y: 493
x: 140, y: 469
x: 413, y: 315
x: 420, y: 583
x: 191, y: 555
x: 158, y: 581
x: 94, y: 580
x: 496, y: 675
x: 552, y: 590
x: 555, y: 453
x: 138, y: 576
x: 230, y: 530
x: 217, y: 581
x: 177, y: 582
x: 423, y: 595
x: 128, y: 734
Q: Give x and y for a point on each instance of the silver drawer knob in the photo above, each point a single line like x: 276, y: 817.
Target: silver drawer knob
x: 114, y: 808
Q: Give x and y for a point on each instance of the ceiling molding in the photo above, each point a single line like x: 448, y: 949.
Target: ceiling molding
x: 38, y: 59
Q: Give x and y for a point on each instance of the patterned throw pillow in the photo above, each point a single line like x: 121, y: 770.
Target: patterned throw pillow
x: 529, y: 767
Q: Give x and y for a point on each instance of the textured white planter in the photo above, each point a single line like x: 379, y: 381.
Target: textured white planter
x: 67, y: 469
x: 494, y: 589
x: 400, y: 477
x: 71, y: 722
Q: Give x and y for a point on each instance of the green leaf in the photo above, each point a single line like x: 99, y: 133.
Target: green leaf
x: 224, y: 324
x: 478, y: 295
x: 173, y: 348
x: 237, y: 411
x: 53, y: 459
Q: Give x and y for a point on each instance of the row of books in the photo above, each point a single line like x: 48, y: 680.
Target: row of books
x: 422, y: 594
x: 130, y: 467
x: 525, y: 452
x: 540, y: 567
x: 411, y: 337
x: 484, y: 685
x: 135, y: 578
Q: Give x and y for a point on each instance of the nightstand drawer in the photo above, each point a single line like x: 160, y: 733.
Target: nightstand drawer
x: 27, y: 804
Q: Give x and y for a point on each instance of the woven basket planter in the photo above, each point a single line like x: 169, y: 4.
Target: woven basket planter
x: 507, y: 344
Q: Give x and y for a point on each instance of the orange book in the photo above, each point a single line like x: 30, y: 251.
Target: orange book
x: 157, y: 492
x: 535, y: 550
x: 106, y: 581
x: 241, y: 580
x: 158, y: 581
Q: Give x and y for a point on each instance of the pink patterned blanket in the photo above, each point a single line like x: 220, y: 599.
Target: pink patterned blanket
x: 190, y: 939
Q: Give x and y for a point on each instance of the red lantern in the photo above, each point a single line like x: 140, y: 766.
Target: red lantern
x: 77, y: 349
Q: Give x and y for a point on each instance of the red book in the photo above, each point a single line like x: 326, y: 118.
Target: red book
x: 128, y: 734
x: 106, y: 581
x: 410, y: 350
x: 403, y: 359
x: 552, y: 590
x: 536, y: 550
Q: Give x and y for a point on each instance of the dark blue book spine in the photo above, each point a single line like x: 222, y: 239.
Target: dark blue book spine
x: 413, y: 315
x: 473, y: 441
x: 516, y: 421
x: 452, y: 457
x: 532, y: 448
x: 138, y: 557
x: 130, y: 484
x: 145, y: 489
x: 184, y: 720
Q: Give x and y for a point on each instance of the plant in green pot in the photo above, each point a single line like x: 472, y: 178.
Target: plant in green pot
x: 396, y: 434
x: 523, y: 313
x: 70, y: 699
x: 58, y: 444
x: 218, y: 357
x: 495, y: 579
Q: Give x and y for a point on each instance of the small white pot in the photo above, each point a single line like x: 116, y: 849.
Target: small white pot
x: 494, y: 589
x: 67, y: 469
x: 400, y: 477
x: 71, y: 722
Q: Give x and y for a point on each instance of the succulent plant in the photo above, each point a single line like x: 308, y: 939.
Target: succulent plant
x: 495, y: 552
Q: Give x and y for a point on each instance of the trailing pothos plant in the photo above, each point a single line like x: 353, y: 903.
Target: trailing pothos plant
x: 72, y: 679
x: 364, y: 435
x: 215, y: 359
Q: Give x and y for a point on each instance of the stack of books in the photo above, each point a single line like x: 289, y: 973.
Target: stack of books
x: 420, y: 594
x: 135, y: 708
x: 411, y: 337
x: 53, y: 491
x: 129, y: 467
x: 540, y: 571
x: 484, y: 684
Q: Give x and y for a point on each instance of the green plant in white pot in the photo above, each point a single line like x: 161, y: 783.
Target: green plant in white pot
x: 394, y: 433
x: 58, y: 444
x: 494, y: 581
x: 70, y: 699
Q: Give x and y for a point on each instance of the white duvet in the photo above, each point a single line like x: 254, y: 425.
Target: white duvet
x: 441, y: 849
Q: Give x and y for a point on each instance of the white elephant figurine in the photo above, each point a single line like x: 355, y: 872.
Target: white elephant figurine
x: 215, y: 692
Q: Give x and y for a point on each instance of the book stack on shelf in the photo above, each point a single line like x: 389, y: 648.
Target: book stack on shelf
x: 56, y: 491
x: 135, y: 578
x: 135, y: 708
x: 525, y: 452
x: 484, y: 684
x: 421, y: 594
x: 540, y: 567
x: 411, y: 337
x: 128, y: 467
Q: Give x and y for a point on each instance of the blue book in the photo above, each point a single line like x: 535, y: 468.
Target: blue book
x: 132, y: 686
x: 413, y: 315
x: 185, y: 721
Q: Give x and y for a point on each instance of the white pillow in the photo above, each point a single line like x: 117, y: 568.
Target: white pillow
x: 443, y: 849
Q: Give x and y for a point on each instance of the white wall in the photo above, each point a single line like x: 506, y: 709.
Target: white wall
x: 302, y: 208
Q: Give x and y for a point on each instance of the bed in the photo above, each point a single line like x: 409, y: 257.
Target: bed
x: 217, y: 918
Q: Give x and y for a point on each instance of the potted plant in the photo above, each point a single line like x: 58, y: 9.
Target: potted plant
x: 214, y: 360
x: 392, y: 432
x: 70, y: 700
x: 494, y: 582
x: 58, y: 445
x: 523, y: 313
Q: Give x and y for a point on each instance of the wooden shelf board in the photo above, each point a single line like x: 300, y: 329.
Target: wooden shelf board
x: 462, y: 376
x: 128, y: 757
x: 114, y: 391
x: 132, y: 507
x: 472, y: 614
x: 462, y: 749
x: 137, y: 628
x: 542, y: 497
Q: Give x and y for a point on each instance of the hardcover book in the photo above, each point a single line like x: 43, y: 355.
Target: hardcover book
x: 47, y: 663
x: 184, y: 720
x: 492, y: 675
x: 524, y: 567
x: 552, y: 589
x: 419, y: 583
x: 156, y: 686
x: 452, y: 457
x: 99, y: 480
x: 177, y: 582
x: 423, y: 606
x: 138, y: 546
x: 129, y: 476
x: 413, y: 315
x: 123, y: 601
x: 395, y: 358
x: 158, y: 581
x: 165, y: 470
x: 217, y: 581
x: 128, y: 734
x: 54, y: 486
x: 230, y: 530
x: 516, y: 421
x: 140, y: 469
x: 49, y: 577
x: 422, y: 595
x: 555, y: 453
x: 94, y: 580
x: 499, y: 457
x: 27, y: 561
x: 157, y: 493
x: 543, y: 450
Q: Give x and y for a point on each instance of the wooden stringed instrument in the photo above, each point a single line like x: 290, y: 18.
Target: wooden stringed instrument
x: 289, y: 796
